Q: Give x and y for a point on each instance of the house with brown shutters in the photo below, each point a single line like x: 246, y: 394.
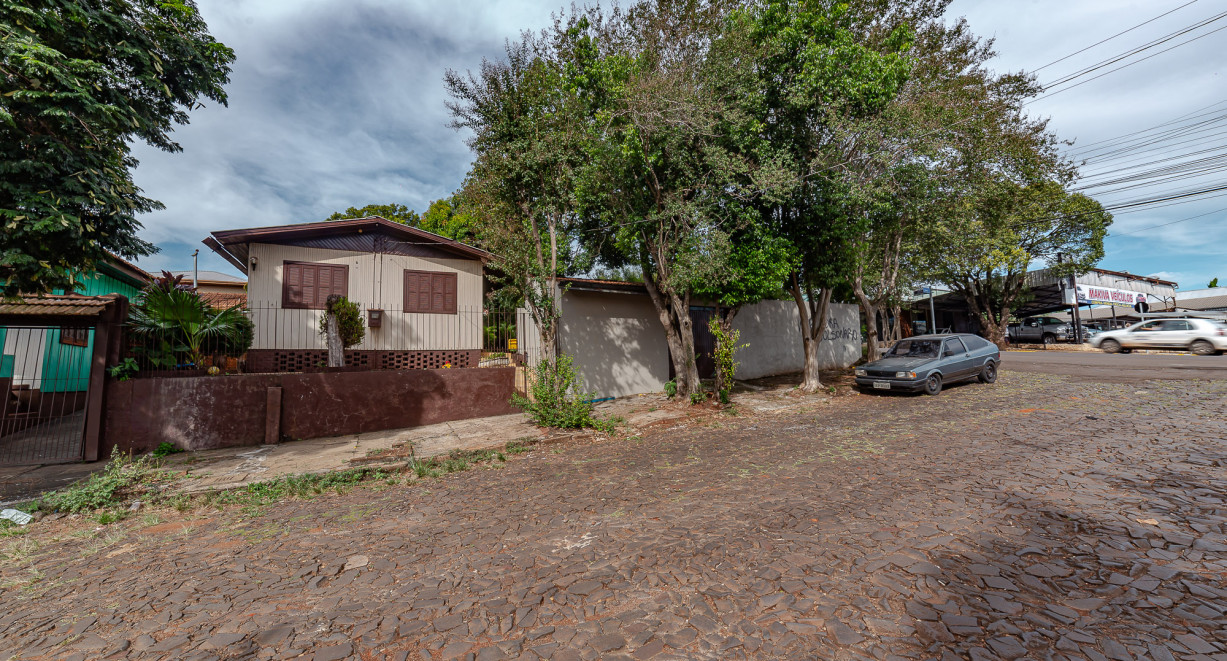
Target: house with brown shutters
x: 420, y: 293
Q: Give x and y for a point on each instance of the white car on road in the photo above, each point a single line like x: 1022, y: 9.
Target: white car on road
x: 1201, y: 336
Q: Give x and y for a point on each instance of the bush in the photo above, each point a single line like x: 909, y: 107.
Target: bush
x: 350, y: 324
x: 123, y: 478
x: 164, y: 448
x: 725, y: 356
x: 671, y: 389
x: 558, y: 397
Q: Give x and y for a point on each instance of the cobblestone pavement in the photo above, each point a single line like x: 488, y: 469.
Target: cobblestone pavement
x: 1039, y: 518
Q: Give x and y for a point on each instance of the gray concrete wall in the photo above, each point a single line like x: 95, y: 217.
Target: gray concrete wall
x: 771, y: 329
x: 619, y: 346
x: 617, y: 342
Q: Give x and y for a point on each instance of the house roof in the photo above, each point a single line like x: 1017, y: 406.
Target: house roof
x: 212, y: 277
x: 70, y: 305
x: 1201, y: 303
x: 591, y: 284
x: 124, y: 269
x: 1133, y: 276
x: 223, y: 300
x: 232, y: 244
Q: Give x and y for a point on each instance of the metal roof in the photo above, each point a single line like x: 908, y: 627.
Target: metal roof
x: 232, y: 244
x: 212, y: 276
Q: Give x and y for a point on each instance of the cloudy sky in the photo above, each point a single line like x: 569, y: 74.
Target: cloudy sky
x: 338, y: 103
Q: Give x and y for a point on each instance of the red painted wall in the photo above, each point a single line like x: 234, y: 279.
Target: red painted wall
x: 203, y: 413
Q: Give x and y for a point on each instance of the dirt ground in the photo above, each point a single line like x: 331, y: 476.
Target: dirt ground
x: 1041, y: 517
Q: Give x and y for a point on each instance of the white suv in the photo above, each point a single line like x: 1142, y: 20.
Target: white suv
x: 1201, y: 336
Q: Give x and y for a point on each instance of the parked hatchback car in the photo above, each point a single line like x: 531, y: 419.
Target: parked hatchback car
x: 1201, y: 336
x: 926, y: 363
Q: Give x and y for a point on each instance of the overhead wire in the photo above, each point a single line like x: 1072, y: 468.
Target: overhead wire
x: 1104, y: 41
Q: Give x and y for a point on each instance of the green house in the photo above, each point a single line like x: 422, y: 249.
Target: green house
x: 57, y: 359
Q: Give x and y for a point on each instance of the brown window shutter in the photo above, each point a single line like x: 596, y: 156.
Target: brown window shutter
x: 342, y: 281
x: 437, y: 293
x: 430, y: 292
x: 449, y: 293
x: 308, y: 286
x: 411, y: 291
x: 291, y: 286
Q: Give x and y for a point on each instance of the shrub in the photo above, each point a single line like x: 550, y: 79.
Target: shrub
x: 671, y: 389
x: 123, y: 477
x: 558, y: 397
x: 177, y: 327
x: 349, y: 321
x: 164, y: 448
x: 725, y: 356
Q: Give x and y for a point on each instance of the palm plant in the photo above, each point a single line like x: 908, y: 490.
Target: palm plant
x: 184, y: 324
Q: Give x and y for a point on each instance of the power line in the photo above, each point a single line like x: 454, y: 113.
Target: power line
x: 1129, y: 64
x: 1153, y: 227
x: 1104, y: 41
x: 1193, y: 113
x: 1137, y: 49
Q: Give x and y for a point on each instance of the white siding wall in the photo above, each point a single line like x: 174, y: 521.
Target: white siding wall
x: 27, y: 346
x: 375, y: 281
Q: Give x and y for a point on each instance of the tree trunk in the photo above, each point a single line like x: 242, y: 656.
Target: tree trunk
x: 811, y: 381
x: 336, y: 350
x: 870, y: 310
x: 679, y: 334
x: 813, y: 320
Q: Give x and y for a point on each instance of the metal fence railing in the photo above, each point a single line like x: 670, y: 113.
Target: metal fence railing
x: 44, y: 389
x: 285, y: 339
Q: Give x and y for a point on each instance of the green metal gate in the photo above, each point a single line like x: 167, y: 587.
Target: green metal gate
x: 44, y: 393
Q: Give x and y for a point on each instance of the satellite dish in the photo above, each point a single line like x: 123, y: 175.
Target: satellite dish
x: 1142, y: 307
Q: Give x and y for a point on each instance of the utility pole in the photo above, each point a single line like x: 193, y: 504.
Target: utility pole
x: 195, y: 271
x: 1072, y: 285
x: 932, y: 316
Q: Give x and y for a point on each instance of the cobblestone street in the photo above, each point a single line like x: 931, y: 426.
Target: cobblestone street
x: 1043, y: 517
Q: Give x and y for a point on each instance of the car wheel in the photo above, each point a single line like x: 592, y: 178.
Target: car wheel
x: 989, y: 373
x: 1110, y: 346
x: 933, y: 384
x: 1049, y: 340
x: 1202, y: 348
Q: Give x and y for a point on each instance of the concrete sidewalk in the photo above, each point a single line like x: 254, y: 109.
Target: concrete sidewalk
x: 231, y: 468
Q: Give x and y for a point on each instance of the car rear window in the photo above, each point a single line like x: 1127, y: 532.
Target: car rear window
x: 975, y: 342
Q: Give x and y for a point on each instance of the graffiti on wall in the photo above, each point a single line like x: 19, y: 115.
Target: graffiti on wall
x: 835, y: 332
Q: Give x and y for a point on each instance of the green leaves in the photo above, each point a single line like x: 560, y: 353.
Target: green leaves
x: 79, y: 82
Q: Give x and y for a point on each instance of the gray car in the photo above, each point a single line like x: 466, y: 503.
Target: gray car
x: 925, y: 363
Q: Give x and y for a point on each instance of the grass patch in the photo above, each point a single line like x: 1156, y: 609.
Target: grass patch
x: 123, y: 479
x: 291, y: 486
x: 459, y: 460
x: 520, y: 445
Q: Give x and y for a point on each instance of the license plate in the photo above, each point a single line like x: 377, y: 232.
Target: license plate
x: 882, y: 385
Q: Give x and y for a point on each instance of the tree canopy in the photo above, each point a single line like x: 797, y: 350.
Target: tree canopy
x: 730, y: 152
x: 79, y: 83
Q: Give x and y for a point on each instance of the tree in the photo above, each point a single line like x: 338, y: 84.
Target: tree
x: 987, y: 246
x: 660, y: 184
x: 79, y: 82
x: 442, y: 217
x: 816, y: 80
x: 397, y: 213
x: 520, y: 191
x: 1213, y: 283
